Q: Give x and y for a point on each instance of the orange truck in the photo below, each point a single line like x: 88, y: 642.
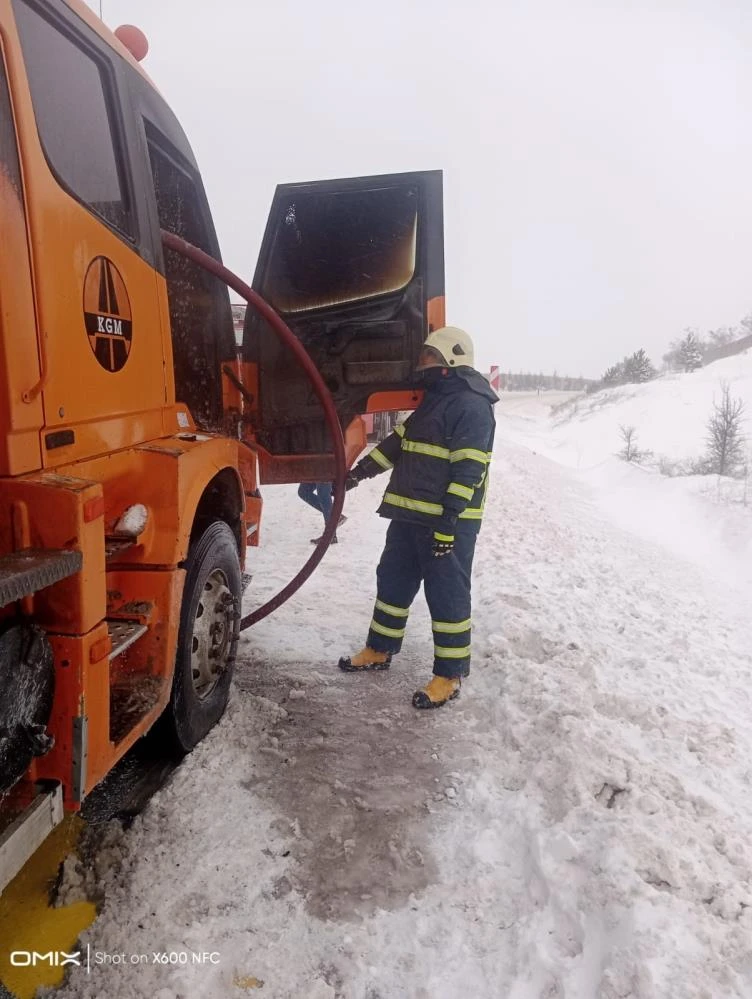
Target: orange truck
x: 134, y: 436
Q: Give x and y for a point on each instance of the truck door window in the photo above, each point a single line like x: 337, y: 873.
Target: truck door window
x: 200, y: 317
x: 72, y: 97
x: 321, y: 258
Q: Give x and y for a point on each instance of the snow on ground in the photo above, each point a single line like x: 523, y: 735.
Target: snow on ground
x: 698, y: 517
x: 578, y: 825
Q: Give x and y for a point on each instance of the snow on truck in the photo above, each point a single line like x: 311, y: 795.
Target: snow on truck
x: 134, y: 435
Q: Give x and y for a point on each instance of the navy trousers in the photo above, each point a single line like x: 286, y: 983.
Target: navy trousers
x: 406, y: 562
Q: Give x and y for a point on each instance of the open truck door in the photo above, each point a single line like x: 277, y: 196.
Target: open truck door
x: 355, y: 267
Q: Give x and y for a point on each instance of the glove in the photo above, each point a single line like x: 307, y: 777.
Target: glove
x: 443, y: 537
x: 442, y: 548
x: 354, y: 476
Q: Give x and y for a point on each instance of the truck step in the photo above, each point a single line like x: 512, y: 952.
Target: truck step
x: 116, y: 546
x: 132, y: 697
x: 123, y: 634
x: 24, y: 572
x: 27, y: 830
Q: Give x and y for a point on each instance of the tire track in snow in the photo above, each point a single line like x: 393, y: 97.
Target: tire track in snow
x: 353, y: 770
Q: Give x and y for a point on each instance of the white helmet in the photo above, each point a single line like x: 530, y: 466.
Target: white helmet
x: 453, y: 344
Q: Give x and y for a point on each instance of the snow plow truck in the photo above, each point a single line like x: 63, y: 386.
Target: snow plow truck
x: 134, y: 436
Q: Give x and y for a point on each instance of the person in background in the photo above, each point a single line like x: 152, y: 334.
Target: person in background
x: 319, y: 496
x: 439, y: 460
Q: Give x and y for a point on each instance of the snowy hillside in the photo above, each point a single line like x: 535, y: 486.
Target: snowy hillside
x: 701, y: 518
x: 578, y: 825
x: 669, y: 414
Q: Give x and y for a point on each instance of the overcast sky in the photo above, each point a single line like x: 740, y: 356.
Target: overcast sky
x: 597, y: 157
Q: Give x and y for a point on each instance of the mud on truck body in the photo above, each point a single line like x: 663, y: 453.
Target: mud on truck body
x: 134, y: 436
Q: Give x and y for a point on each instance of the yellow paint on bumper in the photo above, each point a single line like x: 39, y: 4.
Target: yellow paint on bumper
x: 27, y: 921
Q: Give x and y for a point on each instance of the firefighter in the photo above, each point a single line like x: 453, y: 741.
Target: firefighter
x: 439, y: 460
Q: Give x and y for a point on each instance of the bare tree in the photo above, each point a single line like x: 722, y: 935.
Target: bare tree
x: 725, y: 440
x: 723, y: 335
x: 630, y: 451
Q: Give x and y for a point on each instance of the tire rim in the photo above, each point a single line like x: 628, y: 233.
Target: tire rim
x: 213, y: 632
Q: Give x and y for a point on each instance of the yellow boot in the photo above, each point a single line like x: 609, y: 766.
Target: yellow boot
x: 367, y: 659
x: 436, y: 692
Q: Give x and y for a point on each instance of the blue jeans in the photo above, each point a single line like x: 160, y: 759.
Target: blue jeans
x: 318, y: 495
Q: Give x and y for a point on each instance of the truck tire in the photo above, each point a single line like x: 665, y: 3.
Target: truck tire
x: 208, y: 637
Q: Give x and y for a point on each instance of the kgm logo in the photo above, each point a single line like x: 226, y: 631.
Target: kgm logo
x: 107, y: 314
x: 54, y: 958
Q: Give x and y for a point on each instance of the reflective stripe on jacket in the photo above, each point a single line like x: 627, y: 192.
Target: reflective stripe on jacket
x: 439, y: 458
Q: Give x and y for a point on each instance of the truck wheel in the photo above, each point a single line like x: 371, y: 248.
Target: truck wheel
x: 208, y: 637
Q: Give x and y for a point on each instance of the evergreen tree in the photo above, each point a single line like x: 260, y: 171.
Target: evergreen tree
x: 673, y: 357
x: 638, y: 367
x: 690, y: 352
x: 614, y: 375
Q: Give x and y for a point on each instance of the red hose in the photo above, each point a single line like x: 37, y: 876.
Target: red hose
x: 283, y: 331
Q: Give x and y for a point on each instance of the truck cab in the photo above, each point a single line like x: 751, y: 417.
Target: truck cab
x: 135, y: 435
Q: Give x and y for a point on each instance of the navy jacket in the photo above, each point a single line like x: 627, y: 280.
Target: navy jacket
x: 440, y: 455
